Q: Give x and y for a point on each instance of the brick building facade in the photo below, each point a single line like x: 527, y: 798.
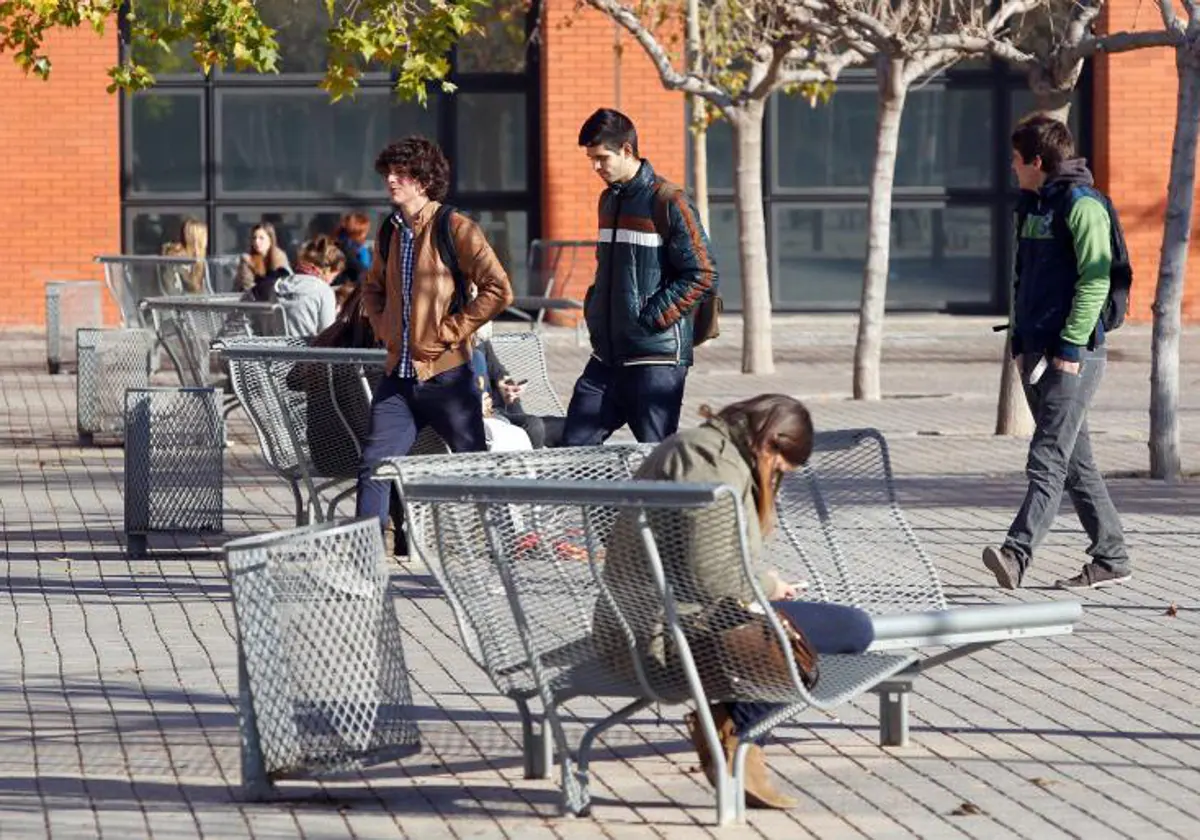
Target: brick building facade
x: 70, y: 191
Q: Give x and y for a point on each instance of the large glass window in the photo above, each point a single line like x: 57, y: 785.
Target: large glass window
x: 938, y: 254
x: 723, y: 236
x: 164, y: 144
x: 297, y: 142
x: 945, y: 139
x: 491, y: 154
x: 720, y: 158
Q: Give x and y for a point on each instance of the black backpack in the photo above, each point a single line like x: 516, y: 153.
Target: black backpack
x: 1112, y: 316
x: 444, y: 240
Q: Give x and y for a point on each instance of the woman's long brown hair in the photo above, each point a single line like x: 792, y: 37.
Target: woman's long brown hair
x: 260, y: 263
x: 773, y: 424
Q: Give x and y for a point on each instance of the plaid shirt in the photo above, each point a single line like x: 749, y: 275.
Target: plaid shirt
x: 405, y: 369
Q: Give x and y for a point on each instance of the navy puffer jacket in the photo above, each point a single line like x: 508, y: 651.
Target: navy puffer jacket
x: 647, y: 285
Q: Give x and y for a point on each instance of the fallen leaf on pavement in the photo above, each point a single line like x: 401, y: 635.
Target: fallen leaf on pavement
x: 967, y: 809
x: 1040, y: 782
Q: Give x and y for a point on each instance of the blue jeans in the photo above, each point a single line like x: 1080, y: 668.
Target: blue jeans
x: 647, y: 397
x: 1060, y: 459
x: 449, y: 402
x: 831, y: 628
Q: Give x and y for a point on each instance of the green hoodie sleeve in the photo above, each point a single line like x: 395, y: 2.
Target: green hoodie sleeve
x: 1090, y: 225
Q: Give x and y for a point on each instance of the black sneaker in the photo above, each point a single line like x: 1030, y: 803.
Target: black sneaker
x: 1094, y: 576
x: 1004, y: 565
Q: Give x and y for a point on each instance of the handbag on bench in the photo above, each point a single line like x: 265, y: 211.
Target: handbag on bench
x: 728, y: 636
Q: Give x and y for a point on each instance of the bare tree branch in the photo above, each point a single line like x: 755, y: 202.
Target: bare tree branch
x: 1009, y: 10
x: 769, y: 80
x: 1120, y: 42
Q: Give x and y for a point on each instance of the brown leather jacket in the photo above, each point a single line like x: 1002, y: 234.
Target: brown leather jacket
x: 439, y: 341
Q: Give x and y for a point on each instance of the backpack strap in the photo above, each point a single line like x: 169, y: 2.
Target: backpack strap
x: 383, y: 236
x: 664, y: 192
x: 443, y: 236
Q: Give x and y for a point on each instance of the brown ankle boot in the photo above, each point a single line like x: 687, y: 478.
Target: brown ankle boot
x: 724, y: 725
x: 760, y: 792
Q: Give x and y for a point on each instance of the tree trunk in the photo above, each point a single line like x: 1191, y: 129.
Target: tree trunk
x: 868, y: 350
x: 697, y: 115
x: 1012, y: 411
x: 757, y: 355
x: 1172, y: 266
x: 699, y: 140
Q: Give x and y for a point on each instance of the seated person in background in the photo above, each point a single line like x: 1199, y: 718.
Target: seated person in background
x: 265, y: 263
x: 505, y: 394
x: 193, y: 243
x: 309, y: 305
x: 351, y: 237
x: 502, y: 434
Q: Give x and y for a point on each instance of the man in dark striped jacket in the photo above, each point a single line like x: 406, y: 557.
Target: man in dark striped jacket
x: 653, y: 267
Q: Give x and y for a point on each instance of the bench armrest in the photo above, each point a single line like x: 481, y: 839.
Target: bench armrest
x: 974, y: 625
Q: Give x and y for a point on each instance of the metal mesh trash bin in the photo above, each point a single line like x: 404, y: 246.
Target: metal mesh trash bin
x: 70, y: 304
x: 110, y: 361
x: 174, y: 462
x: 323, y: 685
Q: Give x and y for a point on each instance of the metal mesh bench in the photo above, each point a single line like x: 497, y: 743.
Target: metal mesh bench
x: 842, y: 529
x: 110, y: 361
x: 597, y: 590
x: 70, y: 304
x: 275, y: 380
x: 322, y: 680
x: 310, y: 408
x: 187, y: 326
x: 131, y: 278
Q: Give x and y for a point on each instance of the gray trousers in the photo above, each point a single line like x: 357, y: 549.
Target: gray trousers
x: 1060, y: 458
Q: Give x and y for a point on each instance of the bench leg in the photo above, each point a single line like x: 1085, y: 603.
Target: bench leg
x: 893, y: 713
x: 301, y: 505
x: 537, y: 748
x: 136, y: 545
x: 589, y: 738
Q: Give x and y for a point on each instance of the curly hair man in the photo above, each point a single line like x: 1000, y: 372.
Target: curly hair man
x: 410, y: 297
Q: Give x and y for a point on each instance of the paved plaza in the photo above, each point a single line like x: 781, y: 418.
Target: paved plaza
x: 118, y: 677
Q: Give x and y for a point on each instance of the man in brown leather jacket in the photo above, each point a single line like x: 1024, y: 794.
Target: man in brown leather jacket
x: 412, y: 302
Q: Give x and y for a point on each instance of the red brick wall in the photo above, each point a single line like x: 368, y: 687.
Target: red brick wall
x: 579, y: 75
x: 60, y: 172
x: 1134, y: 125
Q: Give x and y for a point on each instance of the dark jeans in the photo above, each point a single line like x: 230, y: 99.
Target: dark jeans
x: 647, y: 397
x: 1060, y: 458
x: 449, y: 402
x: 831, y: 628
